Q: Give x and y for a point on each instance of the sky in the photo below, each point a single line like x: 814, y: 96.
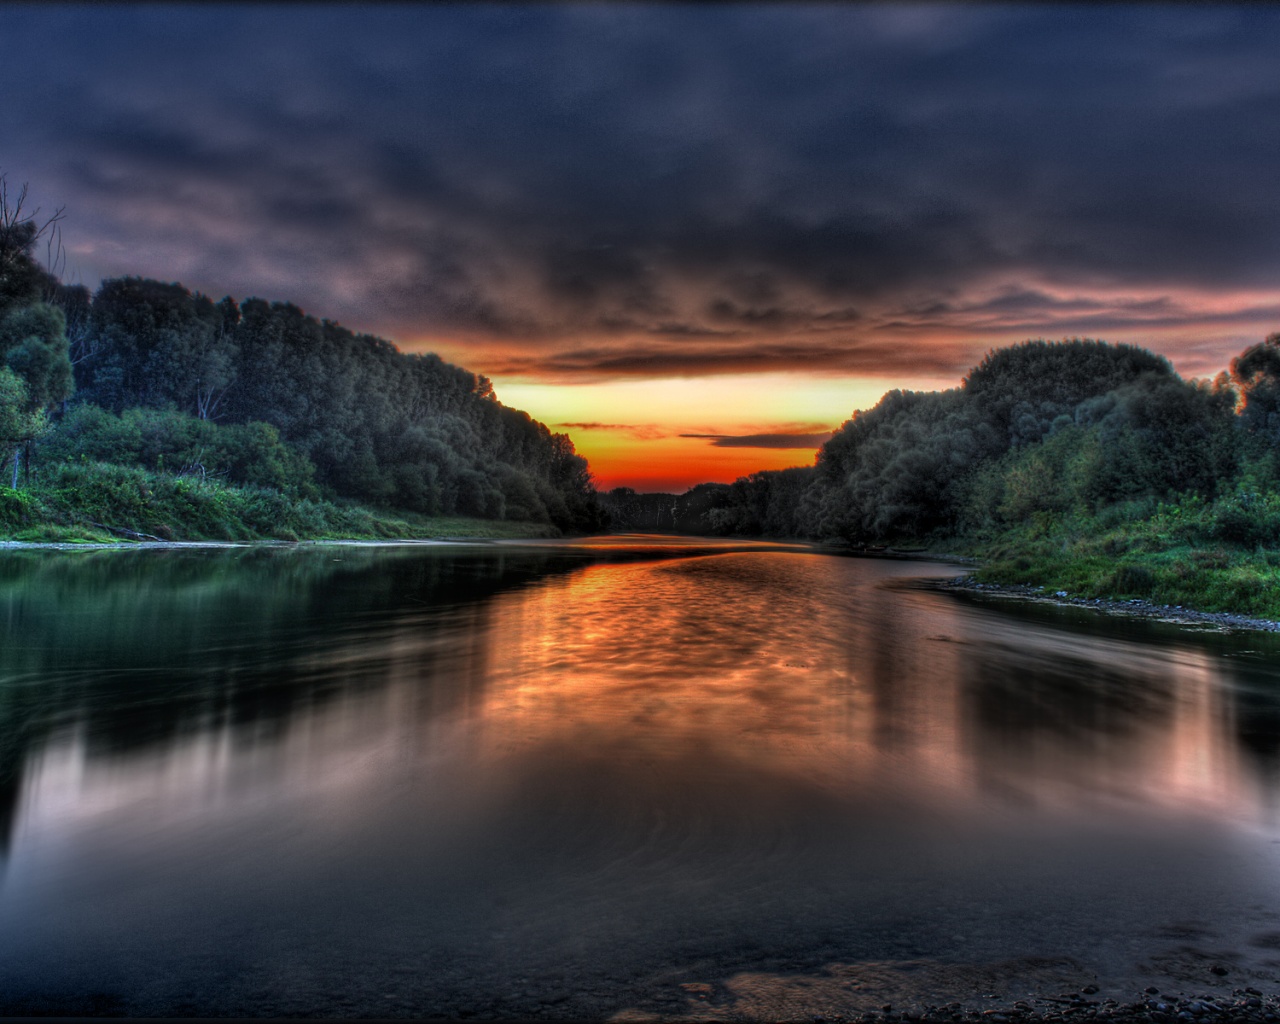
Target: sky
x: 695, y: 238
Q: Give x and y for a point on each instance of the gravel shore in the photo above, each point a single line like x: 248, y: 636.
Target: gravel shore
x: 1247, y: 1005
x: 1135, y: 608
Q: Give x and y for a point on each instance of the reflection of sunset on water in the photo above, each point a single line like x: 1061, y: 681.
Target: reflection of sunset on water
x: 826, y: 681
x: 836, y: 682
x: 584, y: 757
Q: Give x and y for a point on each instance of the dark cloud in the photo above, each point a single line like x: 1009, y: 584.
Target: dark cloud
x: 1036, y: 312
x: 879, y: 359
x: 765, y: 440
x: 640, y: 431
x: 656, y: 189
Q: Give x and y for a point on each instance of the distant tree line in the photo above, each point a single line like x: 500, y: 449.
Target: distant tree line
x: 1037, y: 429
x: 148, y: 373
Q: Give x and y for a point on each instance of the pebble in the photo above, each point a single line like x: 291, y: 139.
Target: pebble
x: 1133, y: 606
x: 1241, y: 1006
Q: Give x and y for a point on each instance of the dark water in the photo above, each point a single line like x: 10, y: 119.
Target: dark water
x: 618, y: 778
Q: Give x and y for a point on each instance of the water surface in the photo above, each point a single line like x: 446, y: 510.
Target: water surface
x: 627, y: 776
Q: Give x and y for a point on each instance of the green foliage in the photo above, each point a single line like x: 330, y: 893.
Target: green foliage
x: 22, y: 279
x: 259, y: 394
x: 1039, y: 431
x: 920, y: 464
x: 18, y: 423
x: 33, y: 344
x: 1024, y: 389
x: 1077, y: 466
x: 1256, y: 373
x: 1176, y: 554
x: 1132, y: 581
x: 899, y: 469
x: 164, y: 439
x: 17, y: 510
x: 1248, y: 519
x: 100, y: 501
x: 408, y: 431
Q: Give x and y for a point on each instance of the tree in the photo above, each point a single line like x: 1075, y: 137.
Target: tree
x: 33, y: 347
x: 17, y: 424
x: 22, y: 279
x: 1024, y: 389
x: 1256, y: 372
x: 76, y: 305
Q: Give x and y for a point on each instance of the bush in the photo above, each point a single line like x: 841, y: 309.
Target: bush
x: 1133, y: 581
x: 15, y: 509
x: 171, y: 441
x: 1248, y: 519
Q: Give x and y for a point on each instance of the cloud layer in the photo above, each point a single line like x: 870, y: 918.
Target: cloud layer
x: 782, y: 440
x: 587, y: 192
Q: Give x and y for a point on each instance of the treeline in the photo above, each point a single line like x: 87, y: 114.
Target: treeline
x: 634, y: 512
x: 1036, y: 432
x: 148, y: 374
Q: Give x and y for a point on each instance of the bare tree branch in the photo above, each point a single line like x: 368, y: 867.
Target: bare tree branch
x: 55, y: 255
x: 20, y: 231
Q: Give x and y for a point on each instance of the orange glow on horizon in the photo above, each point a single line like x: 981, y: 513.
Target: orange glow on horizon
x: 628, y: 426
x: 629, y: 431
x: 677, y: 463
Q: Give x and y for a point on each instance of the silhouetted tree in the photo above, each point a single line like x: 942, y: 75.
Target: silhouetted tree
x: 1256, y: 372
x: 23, y: 280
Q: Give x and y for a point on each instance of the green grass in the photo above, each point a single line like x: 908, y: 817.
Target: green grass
x: 463, y: 527
x: 1178, y: 554
x: 97, y: 502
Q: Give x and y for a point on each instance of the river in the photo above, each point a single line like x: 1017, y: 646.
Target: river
x: 627, y: 777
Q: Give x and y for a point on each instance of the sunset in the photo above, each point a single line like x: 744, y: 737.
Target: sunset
x: 640, y: 512
x: 570, y: 199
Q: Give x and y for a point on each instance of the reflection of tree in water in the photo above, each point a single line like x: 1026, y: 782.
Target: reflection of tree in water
x: 1257, y: 722
x: 1245, y: 665
x: 10, y: 790
x: 1026, y: 705
x: 1029, y: 711
x: 139, y: 649
x: 886, y: 671
x: 1258, y: 728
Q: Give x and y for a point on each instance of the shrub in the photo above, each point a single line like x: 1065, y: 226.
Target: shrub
x: 1133, y: 580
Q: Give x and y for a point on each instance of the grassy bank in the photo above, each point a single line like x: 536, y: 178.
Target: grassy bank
x: 97, y: 503
x: 1222, y: 556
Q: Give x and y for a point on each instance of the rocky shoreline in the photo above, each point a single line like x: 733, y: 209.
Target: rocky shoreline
x: 1135, y: 608
x: 1247, y: 1005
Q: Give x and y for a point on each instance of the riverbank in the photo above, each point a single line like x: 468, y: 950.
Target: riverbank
x: 1189, y: 561
x: 1243, y: 1005
x: 225, y: 545
x: 105, y: 506
x: 1024, y: 989
x: 443, y: 531
x: 1013, y: 574
x: 1133, y: 607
